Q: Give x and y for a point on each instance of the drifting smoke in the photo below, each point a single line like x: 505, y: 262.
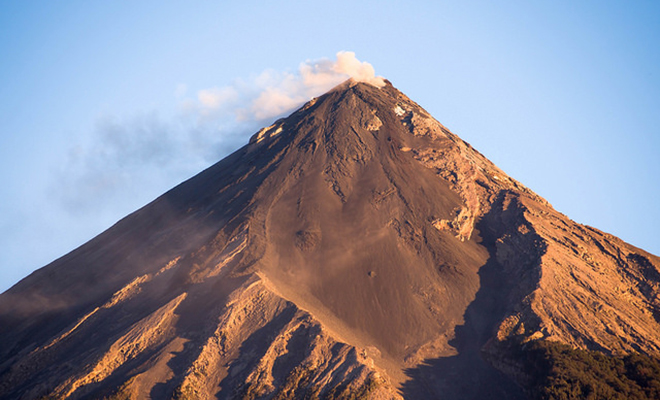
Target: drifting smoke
x: 272, y: 94
x: 129, y: 161
x: 124, y: 161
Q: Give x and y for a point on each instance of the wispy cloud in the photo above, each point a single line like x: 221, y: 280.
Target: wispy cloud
x: 129, y: 160
x: 271, y: 93
x: 124, y: 161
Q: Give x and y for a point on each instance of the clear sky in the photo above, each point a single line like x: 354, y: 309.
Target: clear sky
x: 106, y: 105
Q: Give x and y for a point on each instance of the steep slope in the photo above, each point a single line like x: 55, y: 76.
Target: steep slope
x: 354, y: 248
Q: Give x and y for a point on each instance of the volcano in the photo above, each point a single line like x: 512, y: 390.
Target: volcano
x: 355, y: 249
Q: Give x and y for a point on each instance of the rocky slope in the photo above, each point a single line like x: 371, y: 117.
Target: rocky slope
x: 355, y: 249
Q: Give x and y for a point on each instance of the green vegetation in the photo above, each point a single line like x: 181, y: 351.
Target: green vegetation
x: 560, y: 372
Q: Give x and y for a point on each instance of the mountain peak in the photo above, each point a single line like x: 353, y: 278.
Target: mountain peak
x: 377, y: 82
x: 355, y: 246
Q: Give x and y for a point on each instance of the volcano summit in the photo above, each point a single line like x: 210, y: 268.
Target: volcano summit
x: 355, y: 249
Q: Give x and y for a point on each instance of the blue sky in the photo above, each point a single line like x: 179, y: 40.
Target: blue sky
x: 100, y: 107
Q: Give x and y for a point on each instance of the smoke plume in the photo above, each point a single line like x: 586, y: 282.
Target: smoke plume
x: 124, y: 161
x: 129, y: 160
x: 272, y: 94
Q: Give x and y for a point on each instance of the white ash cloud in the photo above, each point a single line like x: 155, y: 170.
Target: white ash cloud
x: 129, y: 160
x: 360, y: 71
x: 217, y: 98
x: 124, y: 161
x: 273, y: 94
